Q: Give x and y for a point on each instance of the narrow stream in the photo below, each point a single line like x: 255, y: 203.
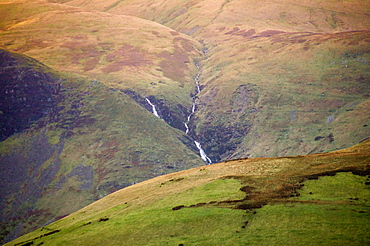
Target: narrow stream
x: 197, y: 77
x: 189, y: 117
x: 202, y: 153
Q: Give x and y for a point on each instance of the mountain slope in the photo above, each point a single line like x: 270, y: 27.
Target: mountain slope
x: 278, y: 77
x: 28, y: 92
x: 204, y: 18
x: 123, y: 52
x: 87, y: 141
x: 301, y: 200
x: 302, y: 68
x: 286, y: 94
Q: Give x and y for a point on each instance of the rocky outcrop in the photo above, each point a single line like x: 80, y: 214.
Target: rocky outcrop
x: 222, y: 133
x: 27, y: 93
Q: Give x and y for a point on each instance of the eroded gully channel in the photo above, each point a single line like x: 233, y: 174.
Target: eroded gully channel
x: 202, y: 153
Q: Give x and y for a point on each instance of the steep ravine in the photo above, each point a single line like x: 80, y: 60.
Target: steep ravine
x: 188, y: 131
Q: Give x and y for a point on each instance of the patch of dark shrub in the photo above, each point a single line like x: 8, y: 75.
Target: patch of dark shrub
x: 253, y: 205
x: 103, y: 219
x: 28, y: 244
x: 178, y: 207
x: 361, y: 172
x: 247, y: 189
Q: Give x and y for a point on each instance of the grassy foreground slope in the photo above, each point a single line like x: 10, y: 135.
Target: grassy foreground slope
x: 318, y: 199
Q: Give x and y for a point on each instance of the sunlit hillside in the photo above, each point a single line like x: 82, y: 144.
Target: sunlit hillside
x: 318, y: 199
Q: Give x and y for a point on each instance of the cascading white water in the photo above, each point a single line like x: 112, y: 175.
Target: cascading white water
x: 189, y: 117
x: 197, y: 77
x: 187, y: 128
x: 154, y: 110
x: 202, y: 153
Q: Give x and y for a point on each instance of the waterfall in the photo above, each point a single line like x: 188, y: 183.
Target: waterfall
x: 187, y: 128
x: 153, y: 108
x: 197, y: 77
x: 202, y: 153
x: 189, y: 117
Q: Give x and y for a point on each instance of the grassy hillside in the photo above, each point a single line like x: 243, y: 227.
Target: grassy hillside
x: 300, y: 200
x: 207, y: 20
x: 278, y: 78
x: 123, y: 52
x: 286, y: 94
x: 87, y: 142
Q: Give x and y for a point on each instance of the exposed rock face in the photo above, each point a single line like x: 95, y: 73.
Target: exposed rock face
x: 174, y: 115
x: 223, y: 133
x: 27, y: 93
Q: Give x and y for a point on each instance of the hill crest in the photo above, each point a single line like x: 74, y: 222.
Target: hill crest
x: 266, y: 183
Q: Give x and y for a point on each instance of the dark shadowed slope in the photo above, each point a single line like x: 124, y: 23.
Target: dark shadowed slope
x: 27, y: 93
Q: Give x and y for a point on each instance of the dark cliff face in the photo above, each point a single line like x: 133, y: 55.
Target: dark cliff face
x: 27, y: 93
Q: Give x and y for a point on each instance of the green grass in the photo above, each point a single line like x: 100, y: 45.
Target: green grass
x: 341, y: 187
x: 309, y: 224
x: 336, y: 213
x: 157, y: 224
x: 218, y: 190
x: 289, y: 223
x: 195, y: 226
x: 332, y: 210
